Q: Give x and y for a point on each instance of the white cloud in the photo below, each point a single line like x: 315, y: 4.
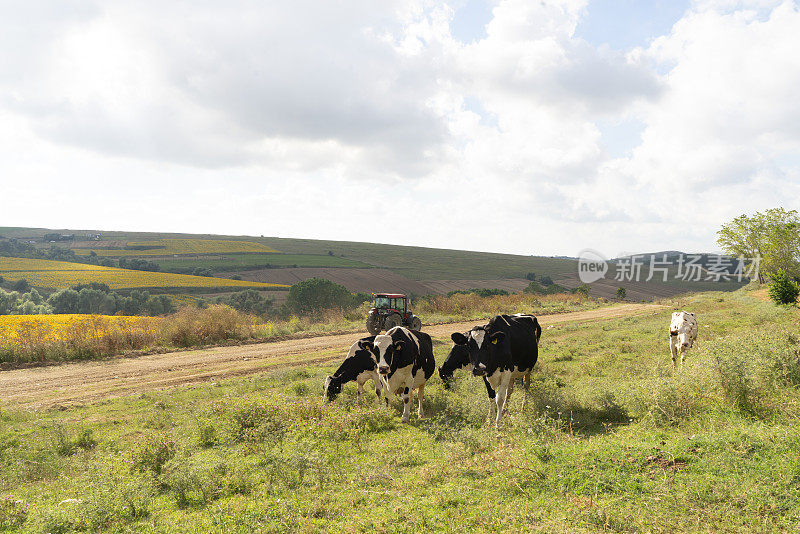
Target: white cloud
x: 316, y: 119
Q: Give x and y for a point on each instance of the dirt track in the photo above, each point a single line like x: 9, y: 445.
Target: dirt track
x: 85, y: 382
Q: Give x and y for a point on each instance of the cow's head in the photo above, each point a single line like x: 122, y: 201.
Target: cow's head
x: 458, y: 358
x: 331, y: 388
x: 483, y: 347
x: 384, y: 350
x: 680, y: 329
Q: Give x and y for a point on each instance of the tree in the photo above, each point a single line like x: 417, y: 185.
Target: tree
x: 317, y: 294
x: 93, y: 301
x: 21, y: 285
x: 621, y: 293
x: 582, y: 289
x: 248, y: 301
x: 783, y: 290
x: 159, y: 305
x: 773, y: 236
x: 64, y: 301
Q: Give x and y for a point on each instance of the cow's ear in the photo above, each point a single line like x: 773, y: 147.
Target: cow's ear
x: 458, y: 338
x: 365, y: 345
x: 497, y: 337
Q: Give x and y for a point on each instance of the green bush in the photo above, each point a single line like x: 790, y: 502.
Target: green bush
x: 255, y: 422
x: 782, y: 289
x: 65, y: 445
x: 152, y: 453
x: 206, y: 434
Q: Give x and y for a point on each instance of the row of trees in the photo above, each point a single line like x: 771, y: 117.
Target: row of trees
x: 16, y: 303
x: 84, y: 299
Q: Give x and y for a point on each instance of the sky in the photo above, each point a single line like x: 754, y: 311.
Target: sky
x: 523, y: 126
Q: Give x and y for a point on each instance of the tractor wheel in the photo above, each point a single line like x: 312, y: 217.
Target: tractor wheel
x: 391, y: 321
x: 416, y: 323
x: 373, y: 325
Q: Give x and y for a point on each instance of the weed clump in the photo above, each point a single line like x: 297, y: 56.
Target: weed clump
x: 257, y: 422
x: 152, y: 453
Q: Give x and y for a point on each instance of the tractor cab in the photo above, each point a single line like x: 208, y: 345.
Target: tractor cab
x: 394, y: 302
x: 390, y: 310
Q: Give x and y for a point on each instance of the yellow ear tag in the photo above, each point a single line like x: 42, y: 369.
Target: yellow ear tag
x: 494, y: 342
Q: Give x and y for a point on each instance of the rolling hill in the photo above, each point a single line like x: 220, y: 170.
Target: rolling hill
x: 358, y: 266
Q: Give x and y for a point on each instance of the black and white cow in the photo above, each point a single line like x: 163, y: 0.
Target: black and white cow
x: 405, y: 362
x: 504, y: 349
x: 457, y: 359
x: 359, y: 366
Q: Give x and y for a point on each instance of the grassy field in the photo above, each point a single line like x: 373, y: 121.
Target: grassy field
x: 238, y: 262
x: 162, y: 247
x: 58, y: 274
x: 611, y: 439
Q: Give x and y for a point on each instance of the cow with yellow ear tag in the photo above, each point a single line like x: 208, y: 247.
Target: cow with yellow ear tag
x: 404, y: 359
x: 504, y: 349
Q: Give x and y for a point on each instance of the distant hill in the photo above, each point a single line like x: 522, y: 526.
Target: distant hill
x: 358, y: 266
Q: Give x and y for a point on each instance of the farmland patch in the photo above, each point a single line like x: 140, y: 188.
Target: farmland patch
x: 162, y: 247
x: 58, y: 275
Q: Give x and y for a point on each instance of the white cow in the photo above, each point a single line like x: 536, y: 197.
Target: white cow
x: 682, y: 334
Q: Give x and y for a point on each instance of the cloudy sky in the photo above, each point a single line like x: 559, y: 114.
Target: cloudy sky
x: 523, y: 126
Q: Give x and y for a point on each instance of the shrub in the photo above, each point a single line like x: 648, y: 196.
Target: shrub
x: 582, y: 289
x: 65, y: 445
x: 782, y: 289
x: 152, y: 453
x: 213, y: 324
x: 191, y: 483
x: 206, y: 434
x: 255, y: 422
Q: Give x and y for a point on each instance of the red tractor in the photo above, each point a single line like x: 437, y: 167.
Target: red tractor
x: 390, y: 310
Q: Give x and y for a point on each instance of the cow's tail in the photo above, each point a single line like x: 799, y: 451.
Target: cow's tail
x: 537, y: 329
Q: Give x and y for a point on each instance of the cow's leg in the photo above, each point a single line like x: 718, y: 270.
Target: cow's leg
x: 491, y: 394
x: 673, y: 351
x: 683, y: 356
x: 509, y: 391
x: 385, y: 384
x: 526, y: 384
x: 502, y: 393
x: 420, y: 393
x: 406, y: 406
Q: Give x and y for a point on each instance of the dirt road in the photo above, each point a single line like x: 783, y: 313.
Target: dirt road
x: 85, y: 382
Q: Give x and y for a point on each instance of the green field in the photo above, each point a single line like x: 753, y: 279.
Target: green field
x: 240, y: 262
x: 611, y: 439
